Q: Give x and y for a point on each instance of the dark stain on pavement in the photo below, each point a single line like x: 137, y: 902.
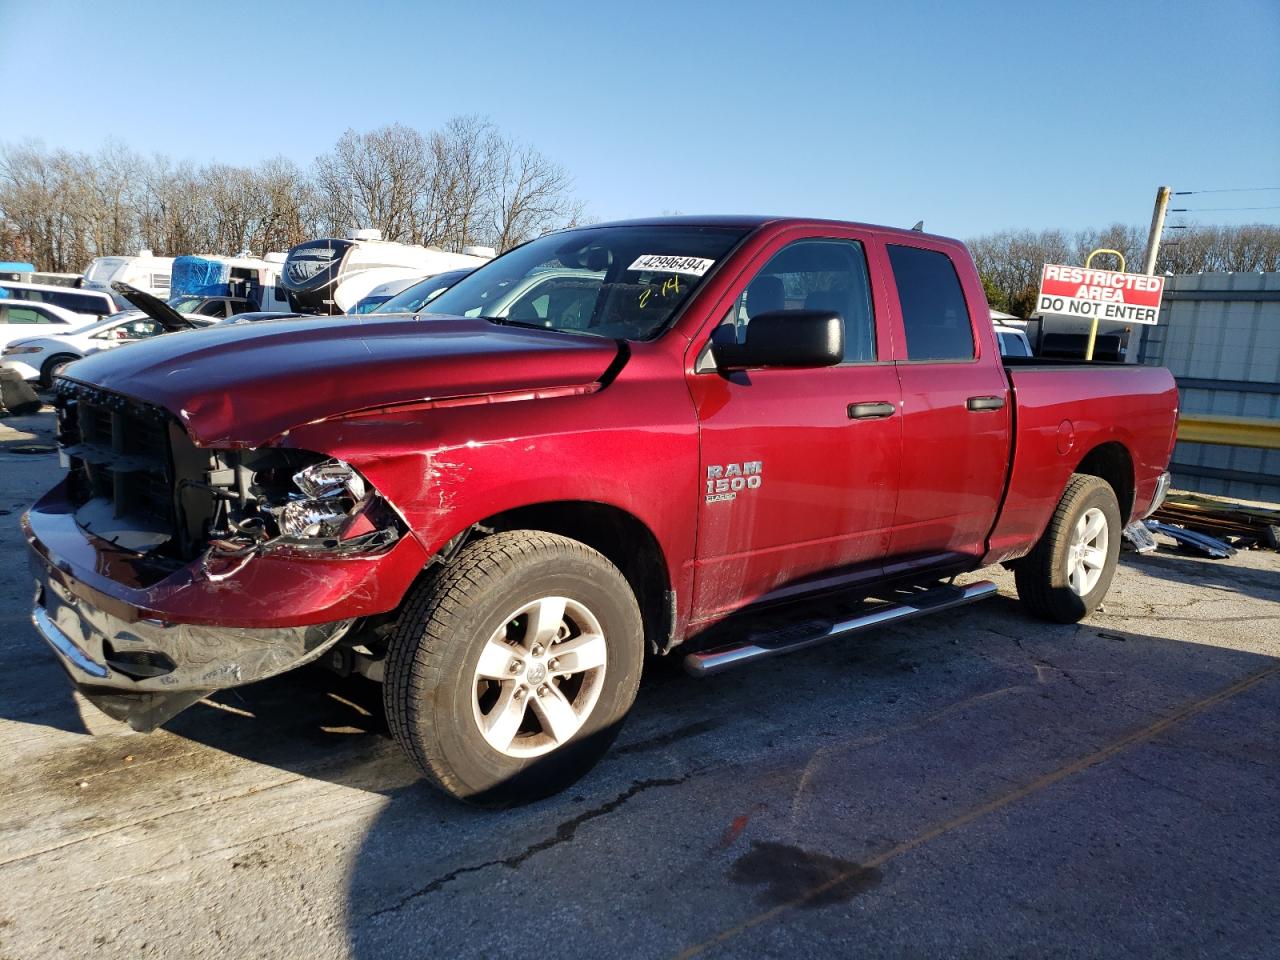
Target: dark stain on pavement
x: 790, y: 875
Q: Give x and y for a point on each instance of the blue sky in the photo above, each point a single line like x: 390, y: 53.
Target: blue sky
x: 974, y: 117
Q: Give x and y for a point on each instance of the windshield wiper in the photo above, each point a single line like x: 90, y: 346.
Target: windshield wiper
x: 528, y: 325
x: 508, y: 322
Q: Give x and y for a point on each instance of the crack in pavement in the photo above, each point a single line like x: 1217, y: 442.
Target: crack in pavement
x: 1041, y: 660
x: 564, y: 833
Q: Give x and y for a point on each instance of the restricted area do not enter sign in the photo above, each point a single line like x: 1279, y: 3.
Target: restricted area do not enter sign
x: 1100, y: 294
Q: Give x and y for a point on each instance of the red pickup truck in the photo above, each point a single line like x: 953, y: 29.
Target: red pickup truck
x: 614, y: 440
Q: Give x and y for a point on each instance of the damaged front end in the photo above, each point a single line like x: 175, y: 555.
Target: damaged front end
x: 165, y: 571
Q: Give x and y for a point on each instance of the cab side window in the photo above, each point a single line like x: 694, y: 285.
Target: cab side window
x: 934, y: 313
x: 812, y: 275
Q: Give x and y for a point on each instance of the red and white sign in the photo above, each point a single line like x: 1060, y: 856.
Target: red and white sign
x: 1105, y: 294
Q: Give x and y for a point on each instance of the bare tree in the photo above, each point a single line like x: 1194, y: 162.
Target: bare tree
x: 528, y: 195
x: 464, y: 183
x: 37, y: 206
x: 453, y: 207
x: 375, y: 179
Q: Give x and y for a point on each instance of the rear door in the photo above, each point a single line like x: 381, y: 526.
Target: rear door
x: 955, y: 412
x: 799, y: 468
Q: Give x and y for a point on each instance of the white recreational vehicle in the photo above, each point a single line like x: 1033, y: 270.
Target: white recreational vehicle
x: 244, y: 277
x: 333, y: 275
x: 145, y: 272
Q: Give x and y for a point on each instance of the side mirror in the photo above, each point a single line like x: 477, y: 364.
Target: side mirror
x: 786, y: 338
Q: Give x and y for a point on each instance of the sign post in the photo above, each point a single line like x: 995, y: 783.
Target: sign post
x: 1100, y: 294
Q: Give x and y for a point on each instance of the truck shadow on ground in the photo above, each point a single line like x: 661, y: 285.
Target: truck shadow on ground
x: 740, y: 749
x: 783, y: 775
x: 772, y: 784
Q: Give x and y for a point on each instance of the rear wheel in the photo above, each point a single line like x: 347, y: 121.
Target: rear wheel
x: 510, y: 672
x: 1067, y: 574
x: 53, y: 366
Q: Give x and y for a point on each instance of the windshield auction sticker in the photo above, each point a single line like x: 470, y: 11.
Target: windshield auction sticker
x: 657, y: 263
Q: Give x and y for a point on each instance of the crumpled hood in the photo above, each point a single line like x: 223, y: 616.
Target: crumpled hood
x: 245, y: 384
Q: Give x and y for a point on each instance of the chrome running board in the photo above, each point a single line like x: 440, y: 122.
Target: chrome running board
x: 706, y: 662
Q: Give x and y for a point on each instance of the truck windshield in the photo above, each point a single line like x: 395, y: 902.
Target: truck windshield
x: 623, y: 282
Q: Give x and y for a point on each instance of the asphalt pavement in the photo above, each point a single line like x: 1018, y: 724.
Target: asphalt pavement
x: 977, y: 784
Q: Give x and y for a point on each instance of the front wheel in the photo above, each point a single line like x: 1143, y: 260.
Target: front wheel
x: 53, y: 366
x: 1069, y: 571
x: 510, y: 672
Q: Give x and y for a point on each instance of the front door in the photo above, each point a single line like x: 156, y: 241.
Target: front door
x: 799, y: 467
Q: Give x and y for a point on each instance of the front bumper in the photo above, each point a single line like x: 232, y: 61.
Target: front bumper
x: 142, y: 646
x: 146, y: 671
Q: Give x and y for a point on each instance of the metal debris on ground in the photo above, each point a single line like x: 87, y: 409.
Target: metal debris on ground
x: 1211, y: 547
x: 1139, y: 538
x: 1248, y: 525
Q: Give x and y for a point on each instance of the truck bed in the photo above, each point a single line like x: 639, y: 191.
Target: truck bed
x: 1066, y: 410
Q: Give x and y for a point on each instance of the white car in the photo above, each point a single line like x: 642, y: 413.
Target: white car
x: 40, y: 358
x: 22, y: 319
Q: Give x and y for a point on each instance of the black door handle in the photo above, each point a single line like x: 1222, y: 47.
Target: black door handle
x: 985, y: 403
x: 870, y: 411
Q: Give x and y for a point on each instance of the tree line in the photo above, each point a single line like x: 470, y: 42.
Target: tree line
x: 1009, y: 262
x: 465, y: 183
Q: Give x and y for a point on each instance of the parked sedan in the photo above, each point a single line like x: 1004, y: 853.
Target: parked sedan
x: 40, y: 358
x: 22, y: 319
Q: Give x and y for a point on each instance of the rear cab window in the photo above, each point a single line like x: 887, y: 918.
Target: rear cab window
x: 935, y: 317
x: 1012, y: 345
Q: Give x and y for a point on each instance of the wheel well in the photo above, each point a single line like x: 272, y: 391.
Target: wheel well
x: 1112, y: 463
x: 620, y: 537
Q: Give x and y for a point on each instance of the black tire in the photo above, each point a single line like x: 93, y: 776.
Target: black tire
x: 1042, y: 576
x: 49, y: 369
x: 430, y: 689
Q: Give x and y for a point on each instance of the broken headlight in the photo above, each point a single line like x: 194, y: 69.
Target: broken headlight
x: 333, y: 495
x: 260, y: 500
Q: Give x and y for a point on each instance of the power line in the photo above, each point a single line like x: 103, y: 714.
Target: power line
x: 1217, y: 209
x: 1187, y: 193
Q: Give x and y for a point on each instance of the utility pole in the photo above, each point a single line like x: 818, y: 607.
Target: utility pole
x: 1157, y: 228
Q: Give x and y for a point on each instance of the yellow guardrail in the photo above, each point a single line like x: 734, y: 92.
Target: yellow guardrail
x: 1230, y: 431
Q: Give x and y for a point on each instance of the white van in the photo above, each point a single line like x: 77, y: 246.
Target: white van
x: 333, y: 275
x: 144, y: 272
x: 91, y: 304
